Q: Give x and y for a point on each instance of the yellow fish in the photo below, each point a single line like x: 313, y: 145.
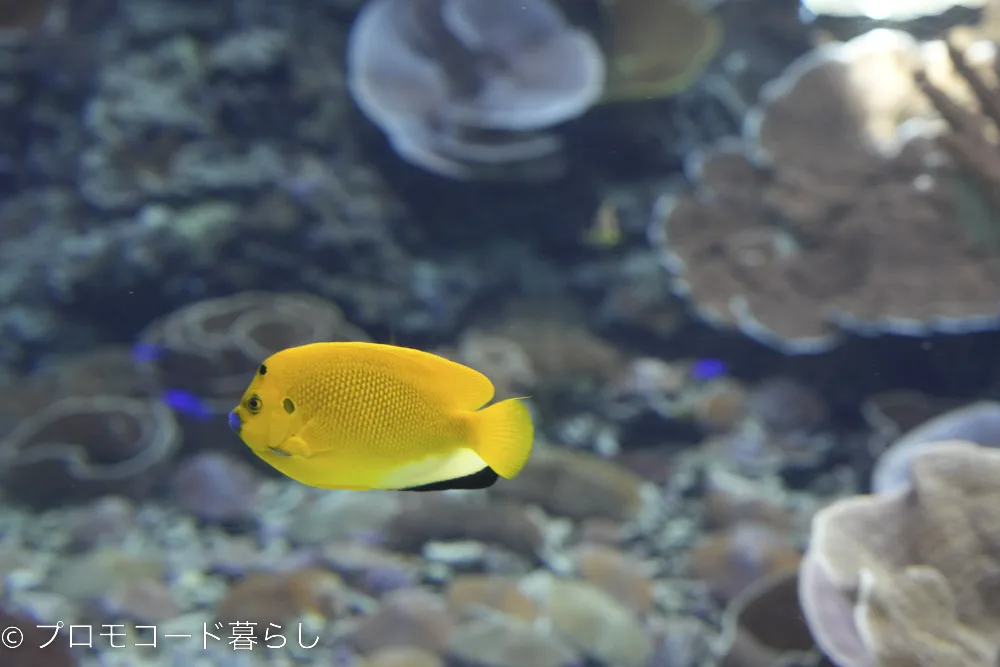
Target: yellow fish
x: 373, y: 416
x: 605, y: 230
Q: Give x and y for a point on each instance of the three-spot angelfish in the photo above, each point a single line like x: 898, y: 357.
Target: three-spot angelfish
x: 352, y: 415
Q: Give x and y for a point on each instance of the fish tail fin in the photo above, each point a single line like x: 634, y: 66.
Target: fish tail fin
x: 502, y: 436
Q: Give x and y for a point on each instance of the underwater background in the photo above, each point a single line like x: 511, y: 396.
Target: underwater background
x: 742, y: 255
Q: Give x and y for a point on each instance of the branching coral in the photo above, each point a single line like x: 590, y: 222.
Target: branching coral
x: 909, y: 577
x: 830, y: 211
x: 971, y: 140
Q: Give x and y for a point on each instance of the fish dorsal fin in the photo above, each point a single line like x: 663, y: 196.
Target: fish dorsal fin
x: 460, y: 386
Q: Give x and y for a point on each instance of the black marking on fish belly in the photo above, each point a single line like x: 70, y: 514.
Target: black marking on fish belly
x: 477, y: 480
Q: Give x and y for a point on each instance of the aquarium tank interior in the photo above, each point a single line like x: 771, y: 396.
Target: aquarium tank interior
x: 499, y: 333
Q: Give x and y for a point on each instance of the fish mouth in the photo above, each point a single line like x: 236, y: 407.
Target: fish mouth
x: 275, y: 450
x: 234, y: 421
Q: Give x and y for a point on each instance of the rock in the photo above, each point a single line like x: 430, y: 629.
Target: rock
x: 402, y: 657
x: 617, y: 574
x: 448, y: 519
x: 597, y: 624
x: 270, y: 597
x: 500, y: 641
x: 412, y: 618
x: 471, y: 593
x: 341, y: 515
x: 575, y: 485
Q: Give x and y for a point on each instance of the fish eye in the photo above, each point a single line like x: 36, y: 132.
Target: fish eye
x: 262, y: 370
x: 289, y: 405
x: 254, y: 404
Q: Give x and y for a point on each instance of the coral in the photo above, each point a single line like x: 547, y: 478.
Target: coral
x: 567, y: 364
x: 575, y: 485
x: 470, y: 594
x: 977, y: 422
x: 146, y: 601
x: 639, y: 67
x: 216, y: 488
x: 402, y: 656
x: 725, y: 507
x: 651, y: 464
x: 721, y: 406
x: 212, y: 347
x: 782, y: 405
x: 633, y: 294
x: 891, y: 413
x: 562, y: 353
x: 501, y: 641
x: 443, y: 519
x: 733, y: 559
x: 764, y: 627
x: 825, y: 216
x: 682, y: 641
x: 887, y: 10
x: 908, y: 576
x: 55, y: 654
x: 335, y: 515
x: 371, y: 569
x: 464, y: 87
x: 502, y: 360
x: 646, y: 384
x: 82, y: 447
x: 969, y: 139
x: 104, y: 522
x: 407, y: 618
x: 117, y: 586
x: 108, y: 371
x: 263, y: 598
x: 618, y: 574
x: 138, y: 171
x: 596, y: 623
x: 606, y: 532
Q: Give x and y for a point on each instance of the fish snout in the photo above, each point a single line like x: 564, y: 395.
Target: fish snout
x: 234, y: 421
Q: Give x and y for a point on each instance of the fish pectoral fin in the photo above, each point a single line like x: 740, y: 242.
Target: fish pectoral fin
x: 293, y: 446
x: 483, y: 479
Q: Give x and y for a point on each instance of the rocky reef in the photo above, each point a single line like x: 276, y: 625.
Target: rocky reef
x: 740, y: 256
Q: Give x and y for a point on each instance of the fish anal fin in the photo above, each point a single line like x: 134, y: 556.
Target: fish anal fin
x: 483, y: 479
x: 456, y: 464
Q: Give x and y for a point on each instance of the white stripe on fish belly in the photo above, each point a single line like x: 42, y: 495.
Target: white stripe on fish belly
x: 458, y: 463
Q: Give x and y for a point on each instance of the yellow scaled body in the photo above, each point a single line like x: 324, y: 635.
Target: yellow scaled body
x: 371, y: 416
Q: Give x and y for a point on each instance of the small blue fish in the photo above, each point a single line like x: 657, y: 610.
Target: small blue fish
x: 188, y: 404
x: 708, y: 369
